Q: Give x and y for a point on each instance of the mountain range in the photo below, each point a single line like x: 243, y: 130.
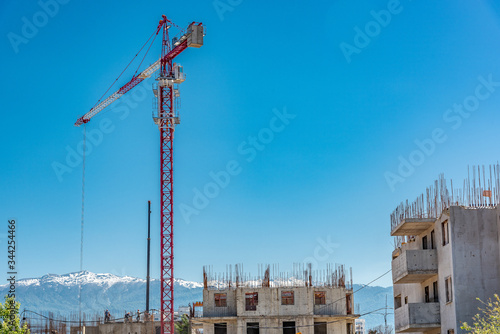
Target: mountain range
x: 59, y: 294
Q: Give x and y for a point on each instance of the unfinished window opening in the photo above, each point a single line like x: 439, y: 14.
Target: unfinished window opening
x: 349, y: 328
x: 288, y: 327
x: 424, y: 242
x: 435, y: 291
x: 427, y: 294
x: 445, y: 230
x: 433, y: 246
x: 319, y: 298
x: 287, y: 298
x: 448, y: 289
x: 397, y: 301
x: 220, y: 328
x: 251, y: 301
x: 220, y: 300
x: 320, y: 328
x: 348, y: 303
x: 252, y: 328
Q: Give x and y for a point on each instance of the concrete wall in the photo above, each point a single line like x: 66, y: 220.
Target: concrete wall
x: 269, y: 302
x: 448, y: 319
x: 417, y: 314
x: 471, y: 259
x: 270, y: 314
x: 209, y: 308
x: 422, y: 261
x: 273, y: 325
x: 476, y: 251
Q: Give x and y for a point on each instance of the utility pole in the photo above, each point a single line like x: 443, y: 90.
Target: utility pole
x: 149, y: 254
x: 385, y: 315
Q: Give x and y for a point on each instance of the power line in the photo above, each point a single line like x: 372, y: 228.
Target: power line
x: 361, y: 288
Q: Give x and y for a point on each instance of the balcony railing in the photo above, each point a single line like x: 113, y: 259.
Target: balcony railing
x: 414, y: 266
x: 330, y: 309
x: 219, y: 312
x: 417, y: 317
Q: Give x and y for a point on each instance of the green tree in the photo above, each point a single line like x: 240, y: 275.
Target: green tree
x: 9, y: 314
x: 182, y: 327
x: 488, y: 321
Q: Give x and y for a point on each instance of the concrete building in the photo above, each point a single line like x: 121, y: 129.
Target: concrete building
x: 447, y: 255
x: 274, y: 306
x: 360, y: 325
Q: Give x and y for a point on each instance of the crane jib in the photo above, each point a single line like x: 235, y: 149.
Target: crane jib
x: 184, y: 42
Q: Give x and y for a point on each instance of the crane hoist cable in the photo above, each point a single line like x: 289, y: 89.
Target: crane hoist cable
x: 82, y: 218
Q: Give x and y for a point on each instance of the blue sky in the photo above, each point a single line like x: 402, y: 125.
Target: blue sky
x: 320, y: 179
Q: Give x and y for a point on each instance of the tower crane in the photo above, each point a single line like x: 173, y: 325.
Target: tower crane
x: 166, y: 117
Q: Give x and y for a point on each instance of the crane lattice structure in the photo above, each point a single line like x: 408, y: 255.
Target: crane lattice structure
x: 166, y: 117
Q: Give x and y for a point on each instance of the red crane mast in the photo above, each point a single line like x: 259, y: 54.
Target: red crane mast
x: 166, y: 117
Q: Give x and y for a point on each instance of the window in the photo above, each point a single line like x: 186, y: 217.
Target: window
x: 320, y: 328
x: 251, y: 301
x: 319, y: 298
x: 427, y: 295
x: 348, y: 301
x: 448, y: 288
x: 286, y: 297
x: 220, y: 300
x: 252, y: 328
x: 288, y: 327
x: 446, y: 232
x: 432, y: 240
x: 349, y: 328
x: 451, y: 331
x: 435, y: 291
x: 397, y: 301
x: 406, y: 299
x: 220, y: 328
x: 424, y: 242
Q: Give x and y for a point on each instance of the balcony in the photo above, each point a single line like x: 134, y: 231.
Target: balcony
x: 412, y: 226
x: 417, y: 317
x: 330, y: 309
x: 414, y: 266
x: 219, y: 312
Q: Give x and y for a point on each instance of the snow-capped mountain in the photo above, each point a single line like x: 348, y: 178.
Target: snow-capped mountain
x: 59, y: 294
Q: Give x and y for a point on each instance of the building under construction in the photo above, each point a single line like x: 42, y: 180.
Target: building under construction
x: 447, y: 253
x: 304, y: 301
